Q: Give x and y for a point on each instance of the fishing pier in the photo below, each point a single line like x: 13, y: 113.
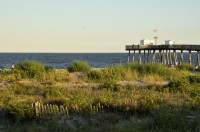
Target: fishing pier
x: 166, y: 54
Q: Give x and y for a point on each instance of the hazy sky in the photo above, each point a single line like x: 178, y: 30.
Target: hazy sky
x: 94, y: 25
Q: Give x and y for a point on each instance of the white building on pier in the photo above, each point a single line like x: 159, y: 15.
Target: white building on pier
x: 147, y: 42
x: 169, y: 42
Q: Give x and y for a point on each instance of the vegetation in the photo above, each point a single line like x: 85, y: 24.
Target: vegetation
x: 30, y: 69
x: 79, y: 66
x: 186, y: 67
x: 128, y: 97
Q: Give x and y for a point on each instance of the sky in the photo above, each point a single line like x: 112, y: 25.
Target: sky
x: 90, y: 26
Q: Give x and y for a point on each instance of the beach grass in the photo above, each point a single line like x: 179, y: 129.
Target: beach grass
x: 122, y: 97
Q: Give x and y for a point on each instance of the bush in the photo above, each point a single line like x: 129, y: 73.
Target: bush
x: 195, y: 94
x: 179, y: 85
x: 20, y: 110
x: 31, y: 69
x: 51, y: 92
x: 118, y: 72
x: 197, y: 69
x: 110, y: 84
x: 169, y: 120
x: 146, y: 69
x: 79, y: 66
x: 48, y: 68
x: 194, y: 79
x: 186, y: 67
x: 95, y: 75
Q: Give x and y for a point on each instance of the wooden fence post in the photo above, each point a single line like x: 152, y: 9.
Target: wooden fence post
x: 37, y: 108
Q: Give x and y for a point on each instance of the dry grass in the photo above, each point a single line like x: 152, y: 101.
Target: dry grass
x: 75, y: 90
x: 153, y: 78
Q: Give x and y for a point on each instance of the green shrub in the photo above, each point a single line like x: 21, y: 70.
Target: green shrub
x: 194, y: 79
x: 79, y: 66
x: 138, y: 125
x: 169, y: 120
x: 20, y: 89
x: 31, y: 69
x: 197, y: 69
x: 110, y: 85
x: 20, y: 109
x: 53, y: 92
x: 187, y: 67
x: 117, y: 72
x: 48, y: 68
x: 95, y: 75
x: 148, y: 102
x: 180, y: 85
x: 146, y: 69
x: 195, y: 94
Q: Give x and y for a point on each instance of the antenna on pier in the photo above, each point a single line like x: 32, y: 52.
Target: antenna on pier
x: 155, y: 36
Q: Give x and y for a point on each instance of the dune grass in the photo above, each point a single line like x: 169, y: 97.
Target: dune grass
x: 173, y: 107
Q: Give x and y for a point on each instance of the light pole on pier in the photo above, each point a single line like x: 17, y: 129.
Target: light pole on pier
x: 155, y: 36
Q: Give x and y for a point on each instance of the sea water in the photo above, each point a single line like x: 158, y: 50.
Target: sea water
x: 62, y: 60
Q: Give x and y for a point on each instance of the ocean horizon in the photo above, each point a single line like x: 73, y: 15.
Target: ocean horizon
x: 62, y: 60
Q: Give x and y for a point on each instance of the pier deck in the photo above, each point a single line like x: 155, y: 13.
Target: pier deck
x: 164, y: 47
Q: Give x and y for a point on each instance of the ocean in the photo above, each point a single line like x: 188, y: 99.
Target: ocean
x: 62, y: 60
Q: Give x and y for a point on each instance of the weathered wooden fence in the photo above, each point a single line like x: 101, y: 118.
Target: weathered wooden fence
x: 49, y: 110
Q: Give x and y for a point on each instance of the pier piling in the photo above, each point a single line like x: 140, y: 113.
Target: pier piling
x: 190, y: 57
x: 181, y: 57
x: 198, y: 63
x: 139, y: 57
x: 165, y: 54
x: 129, y: 52
x: 144, y: 56
x: 167, y: 59
x: 134, y: 56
